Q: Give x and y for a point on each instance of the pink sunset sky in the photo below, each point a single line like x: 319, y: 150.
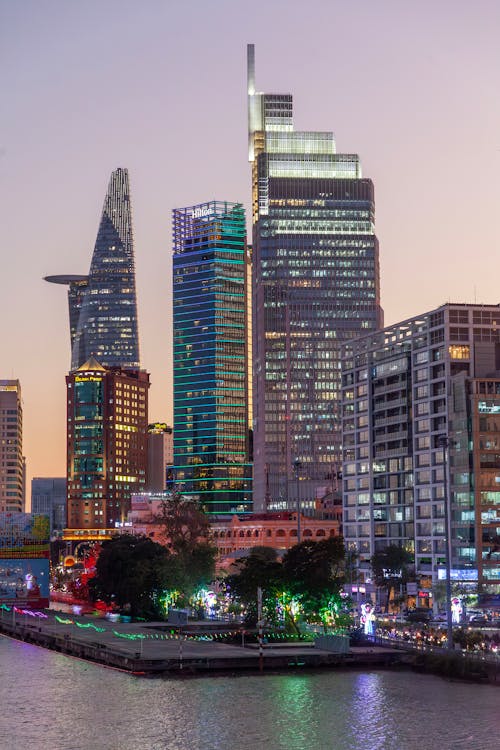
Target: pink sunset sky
x: 160, y: 88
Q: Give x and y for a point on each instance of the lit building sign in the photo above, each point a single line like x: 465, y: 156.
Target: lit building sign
x: 485, y: 407
x: 200, y: 211
x: 458, y: 574
x: 87, y: 379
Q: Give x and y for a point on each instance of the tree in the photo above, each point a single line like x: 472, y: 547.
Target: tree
x: 184, y: 523
x: 186, y: 530
x: 132, y: 571
x: 391, y: 567
x: 314, y: 573
x: 260, y: 569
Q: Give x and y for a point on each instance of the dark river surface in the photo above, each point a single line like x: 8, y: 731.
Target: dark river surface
x: 53, y: 702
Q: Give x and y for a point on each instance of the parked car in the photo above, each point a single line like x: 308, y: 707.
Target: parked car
x: 419, y: 614
x: 478, y: 619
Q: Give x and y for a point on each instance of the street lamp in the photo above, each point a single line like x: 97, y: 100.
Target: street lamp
x: 444, y: 442
x: 297, y: 467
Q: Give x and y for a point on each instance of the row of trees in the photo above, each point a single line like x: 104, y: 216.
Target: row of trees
x: 144, y: 577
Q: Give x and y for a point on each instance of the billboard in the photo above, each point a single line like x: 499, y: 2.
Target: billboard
x: 24, y: 582
x: 24, y: 559
x: 24, y: 535
x: 458, y: 574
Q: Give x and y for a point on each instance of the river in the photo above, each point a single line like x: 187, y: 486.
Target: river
x: 50, y: 701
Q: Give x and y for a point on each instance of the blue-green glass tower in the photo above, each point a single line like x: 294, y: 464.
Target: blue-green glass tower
x: 211, y: 358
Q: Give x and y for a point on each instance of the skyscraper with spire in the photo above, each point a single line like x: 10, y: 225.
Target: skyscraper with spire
x: 103, y: 305
x: 315, y: 286
x: 107, y: 391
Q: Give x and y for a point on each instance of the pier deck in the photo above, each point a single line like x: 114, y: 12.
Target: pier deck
x: 141, y: 648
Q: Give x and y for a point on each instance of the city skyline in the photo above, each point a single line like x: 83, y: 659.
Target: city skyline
x: 425, y: 124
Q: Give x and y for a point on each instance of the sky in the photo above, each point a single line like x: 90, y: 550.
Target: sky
x: 159, y: 87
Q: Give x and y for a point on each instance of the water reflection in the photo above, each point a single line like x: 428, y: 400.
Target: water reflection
x: 56, y: 702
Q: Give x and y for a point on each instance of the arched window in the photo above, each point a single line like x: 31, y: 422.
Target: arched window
x: 293, y: 532
x: 308, y: 532
x: 332, y: 532
x: 256, y: 533
x: 242, y: 533
x: 320, y: 532
x: 249, y: 533
x: 280, y: 532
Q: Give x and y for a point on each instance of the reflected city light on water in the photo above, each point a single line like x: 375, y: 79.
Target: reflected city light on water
x: 70, y: 704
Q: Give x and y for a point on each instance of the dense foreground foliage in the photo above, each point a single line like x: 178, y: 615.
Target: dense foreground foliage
x: 137, y: 574
x: 304, y: 587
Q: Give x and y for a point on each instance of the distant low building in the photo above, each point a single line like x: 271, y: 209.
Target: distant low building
x: 236, y: 536
x: 142, y: 517
x: 48, y: 496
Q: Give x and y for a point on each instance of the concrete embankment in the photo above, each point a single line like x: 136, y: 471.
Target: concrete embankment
x: 475, y: 666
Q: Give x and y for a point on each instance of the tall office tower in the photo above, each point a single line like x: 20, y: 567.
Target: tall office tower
x: 102, y: 305
x: 160, y: 456
x: 106, y: 451
x: 421, y: 403
x: 48, y: 497
x: 12, y: 467
x: 316, y: 285
x: 211, y: 422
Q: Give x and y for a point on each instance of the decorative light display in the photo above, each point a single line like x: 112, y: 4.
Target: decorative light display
x: 20, y: 611
x: 208, y: 600
x: 168, y: 599
x: 90, y: 625
x: 367, y: 618
x: 287, y: 606
x: 456, y: 610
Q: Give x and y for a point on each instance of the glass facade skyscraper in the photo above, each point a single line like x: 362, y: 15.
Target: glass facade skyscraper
x: 316, y: 285
x: 211, y: 394
x: 102, y: 305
